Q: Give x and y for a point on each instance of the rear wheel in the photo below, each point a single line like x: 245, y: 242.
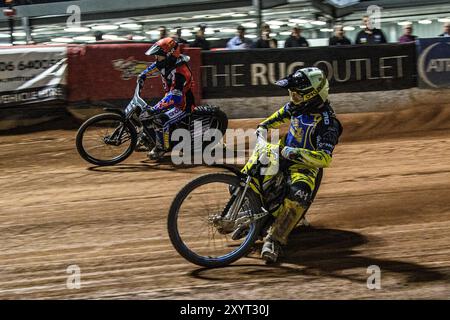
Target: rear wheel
x: 199, y: 225
x: 211, y: 118
x: 106, y: 139
x: 219, y: 120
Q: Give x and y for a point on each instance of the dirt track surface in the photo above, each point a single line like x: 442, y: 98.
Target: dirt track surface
x: 384, y: 202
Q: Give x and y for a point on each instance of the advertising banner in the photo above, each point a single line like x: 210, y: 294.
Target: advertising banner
x: 433, y: 63
x: 108, y: 72
x: 32, y: 75
x: 252, y: 73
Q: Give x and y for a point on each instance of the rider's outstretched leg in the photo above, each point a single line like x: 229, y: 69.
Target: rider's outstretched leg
x: 302, y: 182
x: 163, y: 122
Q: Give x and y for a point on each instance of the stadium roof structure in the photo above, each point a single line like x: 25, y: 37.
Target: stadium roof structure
x: 48, y: 19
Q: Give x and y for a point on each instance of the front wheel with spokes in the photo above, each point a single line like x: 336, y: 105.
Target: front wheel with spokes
x: 106, y: 139
x: 200, y: 224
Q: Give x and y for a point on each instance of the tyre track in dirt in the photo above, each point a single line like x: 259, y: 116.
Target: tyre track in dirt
x: 384, y: 202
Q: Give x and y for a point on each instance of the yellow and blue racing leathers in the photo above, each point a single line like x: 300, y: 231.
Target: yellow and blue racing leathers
x: 310, y: 143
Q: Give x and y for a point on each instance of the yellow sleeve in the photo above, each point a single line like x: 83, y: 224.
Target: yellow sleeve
x: 277, y: 119
x: 317, y: 159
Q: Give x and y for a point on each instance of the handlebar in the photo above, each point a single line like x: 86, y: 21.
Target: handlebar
x: 266, y: 156
x: 137, y: 100
x: 261, y: 141
x: 139, y: 86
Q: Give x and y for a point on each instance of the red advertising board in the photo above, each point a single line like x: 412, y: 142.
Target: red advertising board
x: 109, y: 71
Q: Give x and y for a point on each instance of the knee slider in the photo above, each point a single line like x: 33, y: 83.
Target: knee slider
x: 300, y: 193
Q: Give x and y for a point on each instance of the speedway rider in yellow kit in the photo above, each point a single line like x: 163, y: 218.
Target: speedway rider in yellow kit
x: 314, y: 131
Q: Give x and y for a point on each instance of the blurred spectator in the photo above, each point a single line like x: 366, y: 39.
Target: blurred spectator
x: 162, y: 32
x: 200, y: 40
x: 265, y: 41
x: 446, y: 30
x: 239, y: 41
x: 295, y: 39
x: 178, y: 37
x: 370, y: 34
x: 98, y: 36
x: 339, y: 37
x: 407, y: 34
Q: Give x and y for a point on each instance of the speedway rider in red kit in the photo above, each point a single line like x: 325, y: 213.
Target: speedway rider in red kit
x: 177, y: 81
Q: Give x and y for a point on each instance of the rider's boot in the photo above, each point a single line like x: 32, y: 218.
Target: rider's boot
x: 271, y: 250
x: 156, y: 153
x: 141, y: 145
x: 287, y: 217
x: 303, y: 223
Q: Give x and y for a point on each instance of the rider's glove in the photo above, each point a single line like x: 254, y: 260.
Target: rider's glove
x: 289, y: 153
x: 141, y: 78
x: 261, y: 132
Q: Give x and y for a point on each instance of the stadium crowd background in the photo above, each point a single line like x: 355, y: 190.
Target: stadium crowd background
x: 237, y: 28
x: 368, y: 34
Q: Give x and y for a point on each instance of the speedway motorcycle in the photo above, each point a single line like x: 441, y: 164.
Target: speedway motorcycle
x: 217, y: 218
x: 109, y: 138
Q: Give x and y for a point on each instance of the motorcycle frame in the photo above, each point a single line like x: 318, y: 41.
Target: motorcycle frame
x: 138, y: 103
